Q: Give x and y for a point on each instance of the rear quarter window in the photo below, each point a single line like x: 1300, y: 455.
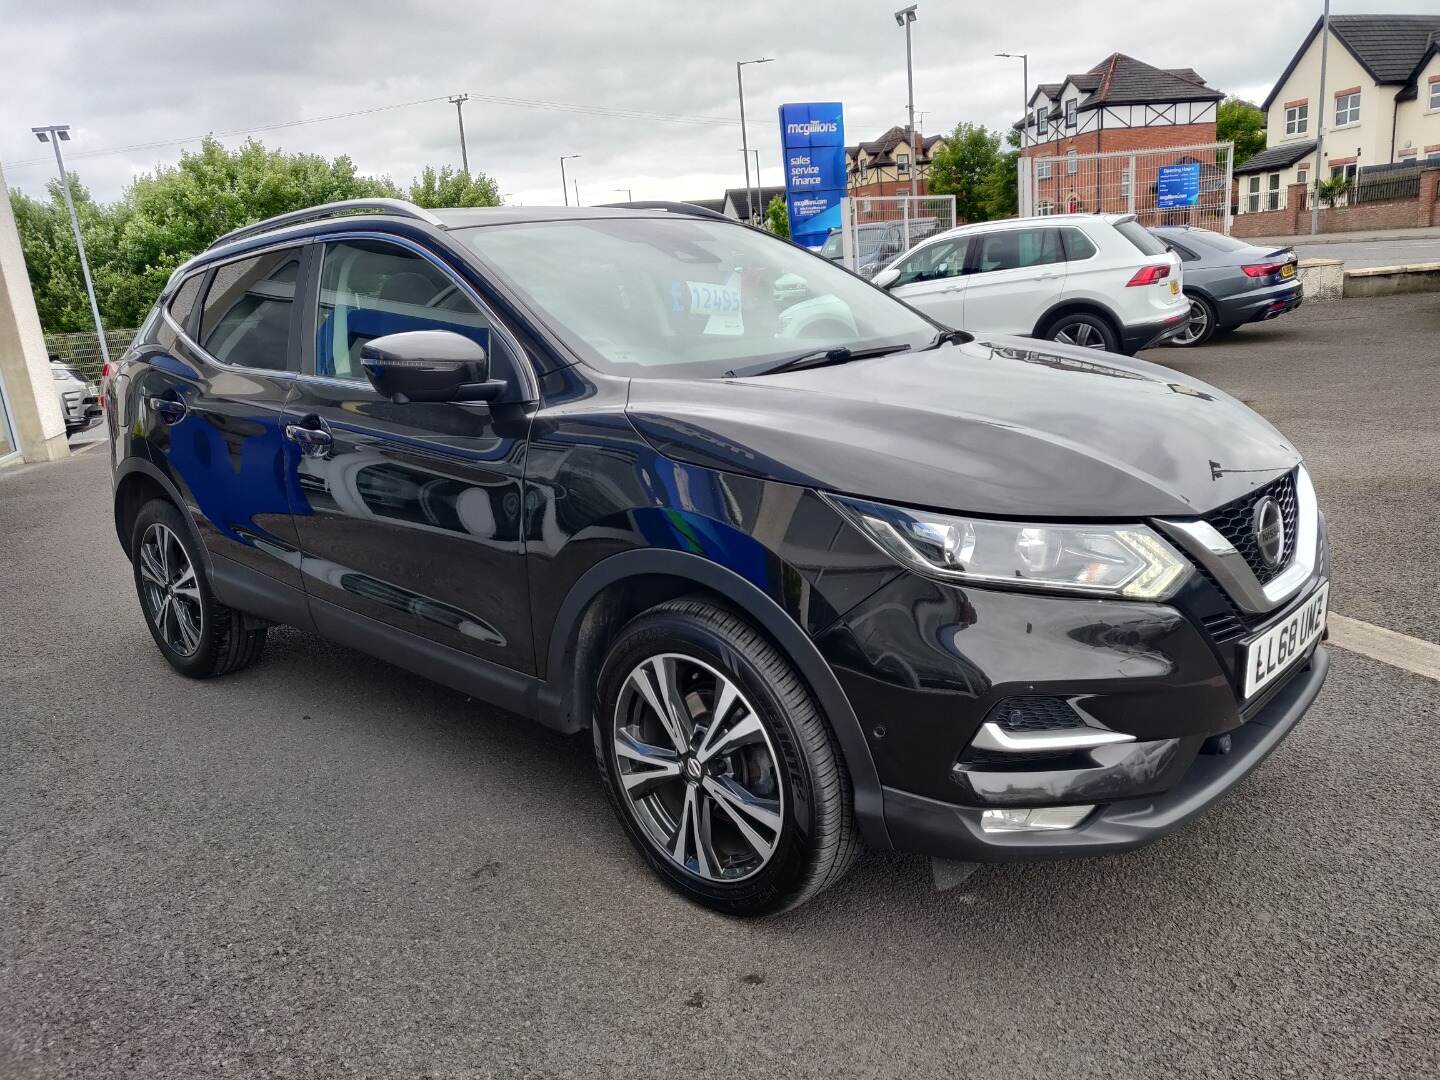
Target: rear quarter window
x: 182, y: 301
x: 1141, y: 237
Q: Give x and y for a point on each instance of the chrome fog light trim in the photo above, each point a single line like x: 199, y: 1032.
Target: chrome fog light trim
x: 1033, y: 819
x: 994, y: 738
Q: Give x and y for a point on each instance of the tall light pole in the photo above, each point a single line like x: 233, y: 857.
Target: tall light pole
x: 56, y: 134
x: 458, y: 100
x: 565, y: 184
x: 628, y: 196
x: 744, y: 137
x: 759, y: 187
x: 577, y: 190
x: 904, y: 17
x: 1320, y: 124
x: 1024, y: 91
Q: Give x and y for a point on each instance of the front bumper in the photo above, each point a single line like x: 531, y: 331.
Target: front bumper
x: 946, y: 830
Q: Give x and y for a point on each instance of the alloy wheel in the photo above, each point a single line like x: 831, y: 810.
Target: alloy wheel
x: 698, y: 768
x: 1195, y: 325
x: 171, y: 590
x: 1081, y: 334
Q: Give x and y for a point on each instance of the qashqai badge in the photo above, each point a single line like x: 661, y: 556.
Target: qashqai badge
x: 1269, y: 527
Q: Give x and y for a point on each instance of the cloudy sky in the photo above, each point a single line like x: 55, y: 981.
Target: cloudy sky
x: 644, y: 90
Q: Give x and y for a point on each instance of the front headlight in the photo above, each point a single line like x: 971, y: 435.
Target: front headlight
x: 1128, y: 561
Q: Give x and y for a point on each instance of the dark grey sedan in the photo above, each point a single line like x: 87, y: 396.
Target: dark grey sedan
x: 1230, y: 283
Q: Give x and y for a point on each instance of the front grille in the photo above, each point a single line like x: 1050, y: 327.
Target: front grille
x: 1034, y: 714
x: 1234, y: 521
x: 1227, y: 626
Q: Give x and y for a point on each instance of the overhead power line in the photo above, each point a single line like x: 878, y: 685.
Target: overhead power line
x: 496, y: 99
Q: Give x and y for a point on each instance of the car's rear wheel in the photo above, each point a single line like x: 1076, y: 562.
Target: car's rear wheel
x: 1085, y: 331
x: 198, y: 636
x: 1199, y: 326
x: 718, y: 762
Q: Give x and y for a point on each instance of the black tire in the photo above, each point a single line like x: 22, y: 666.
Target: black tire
x: 1200, y: 327
x: 817, y: 840
x: 1072, y: 330
x: 225, y: 640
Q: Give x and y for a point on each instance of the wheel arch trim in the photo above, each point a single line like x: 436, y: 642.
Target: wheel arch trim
x: 797, y: 645
x: 136, y: 466
x: 1079, y: 306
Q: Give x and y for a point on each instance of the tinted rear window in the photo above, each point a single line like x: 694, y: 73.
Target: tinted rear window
x: 182, y: 304
x: 1141, y: 237
x: 1215, y: 240
x: 247, y: 311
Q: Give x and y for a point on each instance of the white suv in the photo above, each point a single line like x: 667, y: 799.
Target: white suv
x: 1097, y: 280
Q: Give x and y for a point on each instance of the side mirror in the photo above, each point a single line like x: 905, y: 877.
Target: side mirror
x: 885, y: 278
x: 429, y: 365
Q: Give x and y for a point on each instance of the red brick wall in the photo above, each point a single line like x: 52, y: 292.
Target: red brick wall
x: 1136, y: 138
x: 1295, y: 218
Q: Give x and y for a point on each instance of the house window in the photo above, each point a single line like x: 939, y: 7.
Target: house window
x: 1071, y: 163
x: 1045, y: 209
x: 1435, y: 95
x: 1040, y: 119
x: 1272, y: 196
x: 1070, y: 113
x: 1302, y: 175
x: 1125, y: 181
x: 1252, y: 203
x: 1042, y: 169
x: 1347, y: 171
x: 1347, y: 109
x: 1297, y: 119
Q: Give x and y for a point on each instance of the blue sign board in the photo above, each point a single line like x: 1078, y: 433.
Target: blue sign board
x: 1178, y: 185
x: 813, y: 136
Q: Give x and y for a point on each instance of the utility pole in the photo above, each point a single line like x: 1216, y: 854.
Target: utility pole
x: 905, y: 17
x: 1320, y: 123
x: 564, y: 184
x: 55, y: 134
x: 458, y: 100
x: 744, y: 137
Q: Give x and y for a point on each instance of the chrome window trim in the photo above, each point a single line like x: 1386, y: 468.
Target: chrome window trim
x: 523, y: 364
x: 1217, y: 555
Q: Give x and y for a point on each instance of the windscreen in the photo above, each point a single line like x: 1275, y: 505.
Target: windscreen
x: 686, y: 297
x: 1218, y: 241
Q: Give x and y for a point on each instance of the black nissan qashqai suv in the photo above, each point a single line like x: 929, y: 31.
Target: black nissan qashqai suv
x: 812, y: 570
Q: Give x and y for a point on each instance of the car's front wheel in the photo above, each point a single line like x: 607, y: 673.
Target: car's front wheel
x: 1199, y: 325
x: 718, y: 762
x: 195, y: 632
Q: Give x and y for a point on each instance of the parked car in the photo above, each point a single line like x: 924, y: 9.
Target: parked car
x: 1097, y: 280
x: 1229, y: 282
x: 878, y: 242
x: 79, y: 400
x: 804, y: 584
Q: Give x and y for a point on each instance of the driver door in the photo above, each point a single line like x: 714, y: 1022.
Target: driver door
x: 932, y: 277
x: 408, y: 515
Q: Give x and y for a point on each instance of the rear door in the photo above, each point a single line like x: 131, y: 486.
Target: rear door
x: 211, y: 407
x: 1014, y: 275
x: 932, y: 278
x: 408, y: 515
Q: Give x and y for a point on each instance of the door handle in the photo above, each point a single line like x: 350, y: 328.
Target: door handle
x: 168, y: 409
x: 313, y: 442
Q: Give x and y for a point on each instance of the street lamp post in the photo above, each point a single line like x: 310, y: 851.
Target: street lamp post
x: 628, y: 196
x: 744, y: 137
x: 576, y: 184
x: 458, y: 100
x: 55, y: 134
x: 1024, y: 91
x: 905, y: 17
x: 1320, y: 123
x: 565, y: 184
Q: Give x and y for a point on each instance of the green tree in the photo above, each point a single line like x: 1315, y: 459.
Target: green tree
x: 1243, y: 124
x: 777, y: 217
x: 974, y: 169
x: 450, y: 187
x: 48, y: 245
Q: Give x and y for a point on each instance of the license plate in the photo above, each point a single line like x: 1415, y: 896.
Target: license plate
x: 1270, y: 655
x: 1288, y: 270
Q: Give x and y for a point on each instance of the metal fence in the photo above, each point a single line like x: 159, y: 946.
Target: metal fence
x: 1384, y: 183
x: 1128, y: 182
x: 877, y: 228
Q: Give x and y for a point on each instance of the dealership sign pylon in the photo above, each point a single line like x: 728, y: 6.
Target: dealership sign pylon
x: 813, y: 135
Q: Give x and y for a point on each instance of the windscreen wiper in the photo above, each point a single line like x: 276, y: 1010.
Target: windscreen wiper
x: 824, y: 358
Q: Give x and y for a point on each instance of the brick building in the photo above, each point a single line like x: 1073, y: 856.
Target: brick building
x: 1120, y: 104
x: 883, y: 167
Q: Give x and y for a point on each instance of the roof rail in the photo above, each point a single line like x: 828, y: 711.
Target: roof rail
x: 398, y: 207
x: 674, y: 207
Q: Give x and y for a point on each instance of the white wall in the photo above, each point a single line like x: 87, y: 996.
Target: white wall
x: 1371, y: 135
x: 1417, y: 125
